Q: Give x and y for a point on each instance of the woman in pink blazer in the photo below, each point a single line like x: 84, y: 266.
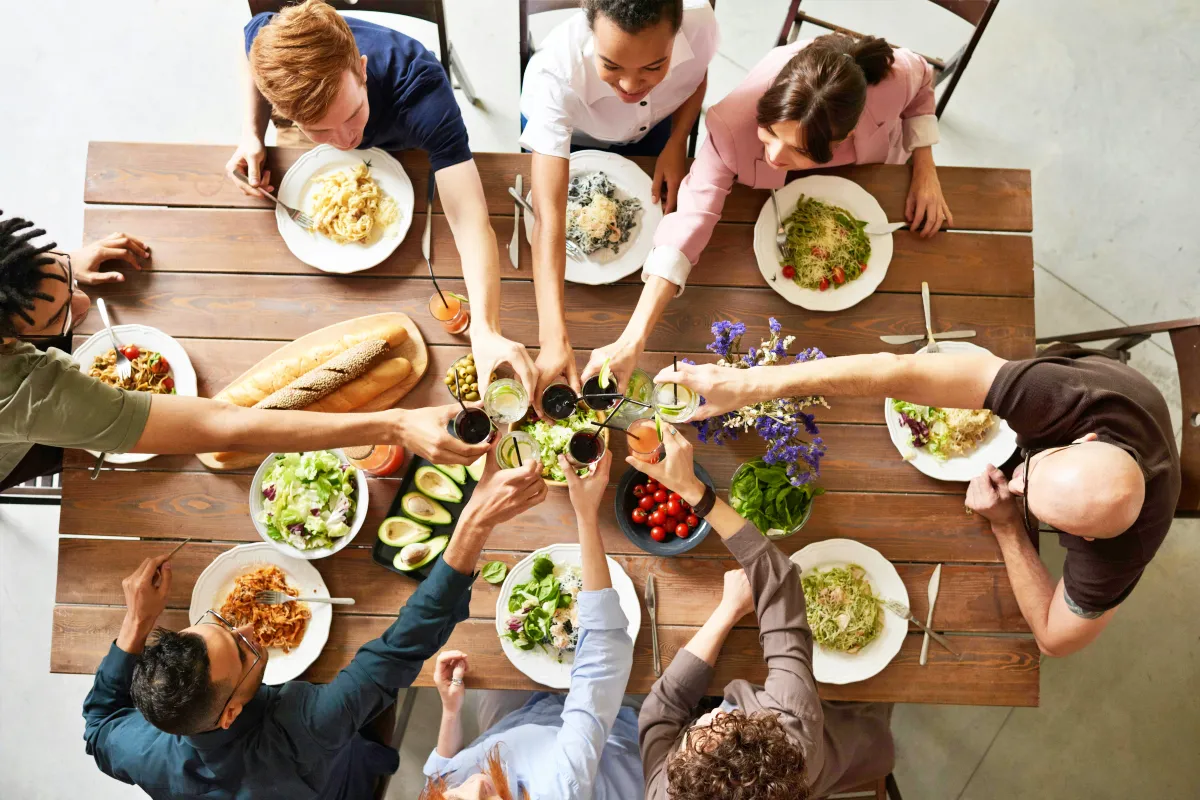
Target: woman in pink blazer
x: 834, y: 100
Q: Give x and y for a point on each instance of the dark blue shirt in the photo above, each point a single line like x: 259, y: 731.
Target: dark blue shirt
x: 412, y: 105
x: 295, y: 741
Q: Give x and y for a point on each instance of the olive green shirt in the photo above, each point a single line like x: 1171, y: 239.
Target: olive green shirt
x: 45, y: 399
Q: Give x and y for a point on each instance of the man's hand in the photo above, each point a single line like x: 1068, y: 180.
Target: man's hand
x: 670, y: 168
x: 622, y: 356
x: 587, y: 492
x: 146, y: 593
x: 249, y: 158
x: 448, y: 676
x: 988, y: 496
x: 555, y: 361
x: 491, y: 350
x: 736, y: 598
x: 114, y: 247
x: 424, y: 432
x: 926, y: 209
x: 502, y: 494
x: 674, y: 470
x: 723, y: 389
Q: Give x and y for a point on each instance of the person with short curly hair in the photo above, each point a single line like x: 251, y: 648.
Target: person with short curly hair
x: 777, y: 741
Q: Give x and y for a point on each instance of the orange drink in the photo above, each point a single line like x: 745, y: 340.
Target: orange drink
x: 378, y: 460
x: 644, y: 441
x: 451, y: 312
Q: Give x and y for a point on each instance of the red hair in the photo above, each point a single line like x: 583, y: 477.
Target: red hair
x: 435, y: 788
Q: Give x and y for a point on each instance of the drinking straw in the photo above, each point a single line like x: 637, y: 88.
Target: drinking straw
x: 623, y: 397
x: 458, y: 392
x: 675, y: 386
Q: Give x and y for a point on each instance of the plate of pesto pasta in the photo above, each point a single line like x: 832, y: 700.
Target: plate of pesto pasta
x: 830, y: 263
x: 854, y: 636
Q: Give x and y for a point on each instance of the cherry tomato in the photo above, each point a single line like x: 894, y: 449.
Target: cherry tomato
x: 673, y: 508
x: 660, y: 496
x: 820, y: 252
x: 658, y: 518
x: 789, y: 271
x: 839, y: 275
x: 682, y: 530
x: 693, y: 521
x: 169, y: 384
x: 675, y: 496
x: 159, y: 365
x: 651, y: 485
x: 131, y: 351
x: 646, y: 503
x: 824, y: 284
x: 862, y: 266
x: 658, y: 533
x: 639, y: 516
x: 639, y: 491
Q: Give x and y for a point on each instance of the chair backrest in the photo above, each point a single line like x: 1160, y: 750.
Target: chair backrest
x: 970, y: 10
x: 526, y: 9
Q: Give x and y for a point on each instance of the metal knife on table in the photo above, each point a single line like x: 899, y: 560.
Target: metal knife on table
x: 934, y: 582
x: 425, y: 236
x: 909, y: 338
x: 651, y: 607
x: 514, y: 245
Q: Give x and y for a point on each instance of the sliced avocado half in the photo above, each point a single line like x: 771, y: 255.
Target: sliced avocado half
x: 476, y: 469
x: 457, y: 472
x: 401, y: 531
x: 423, y: 509
x: 434, y: 483
x: 418, y: 554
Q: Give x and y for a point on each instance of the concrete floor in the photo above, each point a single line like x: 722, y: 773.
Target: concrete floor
x: 1097, y: 99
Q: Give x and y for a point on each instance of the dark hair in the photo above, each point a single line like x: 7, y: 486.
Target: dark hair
x: 171, y: 684
x: 634, y: 16
x: 21, y: 272
x: 739, y: 757
x: 824, y: 88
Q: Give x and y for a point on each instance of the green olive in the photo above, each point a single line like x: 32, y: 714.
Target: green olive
x: 448, y: 381
x: 472, y: 396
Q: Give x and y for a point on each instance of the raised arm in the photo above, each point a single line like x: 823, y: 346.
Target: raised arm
x: 251, y: 152
x: 949, y: 380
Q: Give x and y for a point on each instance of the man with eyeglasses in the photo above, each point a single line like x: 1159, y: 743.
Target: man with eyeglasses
x: 187, y: 715
x: 47, y: 403
x: 1099, y: 462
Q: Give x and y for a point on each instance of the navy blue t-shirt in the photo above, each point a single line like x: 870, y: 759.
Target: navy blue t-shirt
x: 412, y: 105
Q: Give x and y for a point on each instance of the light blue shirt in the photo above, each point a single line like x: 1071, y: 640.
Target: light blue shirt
x: 581, y: 745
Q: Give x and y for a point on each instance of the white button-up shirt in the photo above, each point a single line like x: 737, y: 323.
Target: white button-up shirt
x: 565, y: 99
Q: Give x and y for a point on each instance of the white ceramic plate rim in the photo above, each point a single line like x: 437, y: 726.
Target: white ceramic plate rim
x: 216, y: 581
x: 996, y: 448
x: 360, y: 514
x: 320, y: 252
x: 538, y: 665
x: 151, y: 339
x: 830, y: 666
x: 839, y: 192
x: 602, y: 267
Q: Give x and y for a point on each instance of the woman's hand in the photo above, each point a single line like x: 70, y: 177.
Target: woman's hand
x: 670, y: 168
x: 555, y: 361
x: 723, y: 389
x: 114, y: 247
x: 622, y: 357
x: 249, y: 158
x: 926, y: 209
x: 448, y: 676
x: 491, y: 350
x: 502, y: 494
x: 736, y: 598
x: 675, y: 470
x: 587, y: 492
x: 424, y: 432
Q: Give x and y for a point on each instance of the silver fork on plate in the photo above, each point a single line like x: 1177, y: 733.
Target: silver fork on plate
x: 295, y: 215
x: 932, y: 347
x: 572, y: 249
x: 124, y: 365
x: 270, y: 597
x: 780, y: 233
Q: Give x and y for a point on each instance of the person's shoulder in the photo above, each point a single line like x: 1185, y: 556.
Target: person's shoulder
x: 561, y: 52
x: 698, y: 16
x: 256, y: 24
x: 375, y: 41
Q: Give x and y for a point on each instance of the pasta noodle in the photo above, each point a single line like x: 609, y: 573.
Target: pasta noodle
x: 348, y: 205
x: 280, y: 625
x: 827, y: 244
x: 843, y: 612
x: 150, y: 372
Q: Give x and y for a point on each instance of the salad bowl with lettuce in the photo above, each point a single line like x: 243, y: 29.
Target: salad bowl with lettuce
x: 308, y: 505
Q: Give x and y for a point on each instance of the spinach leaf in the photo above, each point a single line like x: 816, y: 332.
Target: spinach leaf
x: 494, y: 572
x: 542, y: 567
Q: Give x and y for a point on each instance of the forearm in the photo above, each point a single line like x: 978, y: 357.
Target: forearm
x: 466, y: 210
x: 133, y: 634
x: 922, y: 160
x: 725, y: 521
x: 686, y: 115
x: 707, y: 642
x: 257, y: 109
x: 656, y: 294
x: 1031, y: 582
x: 592, y: 557
x: 450, y: 734
x: 470, y: 535
x: 549, y: 274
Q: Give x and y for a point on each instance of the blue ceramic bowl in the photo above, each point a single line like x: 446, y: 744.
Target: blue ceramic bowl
x: 640, y: 534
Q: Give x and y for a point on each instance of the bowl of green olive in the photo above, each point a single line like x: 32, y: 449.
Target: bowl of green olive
x: 468, y: 380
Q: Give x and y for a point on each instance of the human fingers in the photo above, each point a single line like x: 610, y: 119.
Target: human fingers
x: 672, y: 193
x: 125, y: 240
x: 119, y: 254
x: 949, y: 216
x: 105, y: 277
x: 592, y: 367
x: 571, y: 373
x: 910, y: 205
x: 657, y: 181
x: 655, y: 471
x: 527, y: 374
x: 933, y: 220
x: 920, y: 214
x: 573, y: 479
x: 602, y: 467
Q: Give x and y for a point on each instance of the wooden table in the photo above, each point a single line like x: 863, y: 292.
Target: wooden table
x: 225, y: 285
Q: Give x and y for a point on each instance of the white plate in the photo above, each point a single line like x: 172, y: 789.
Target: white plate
x: 360, y: 513
x: 831, y: 666
x: 215, y: 583
x: 835, y: 191
x: 996, y: 448
x: 538, y: 664
x: 321, y: 252
x: 602, y: 266
x: 146, y: 338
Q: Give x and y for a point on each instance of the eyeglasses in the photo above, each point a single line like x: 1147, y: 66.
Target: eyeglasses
x: 72, y: 285
x: 229, y: 626
x: 1031, y: 526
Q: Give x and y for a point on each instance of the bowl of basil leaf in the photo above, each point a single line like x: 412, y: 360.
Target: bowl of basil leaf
x: 761, y: 493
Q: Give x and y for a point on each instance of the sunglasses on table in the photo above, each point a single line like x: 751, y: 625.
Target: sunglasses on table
x: 211, y: 617
x: 67, y: 315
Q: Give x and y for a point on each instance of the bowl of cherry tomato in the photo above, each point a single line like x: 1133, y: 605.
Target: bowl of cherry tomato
x: 656, y: 519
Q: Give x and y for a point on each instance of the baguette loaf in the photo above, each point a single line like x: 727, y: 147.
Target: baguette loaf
x: 327, y: 378
x: 357, y: 393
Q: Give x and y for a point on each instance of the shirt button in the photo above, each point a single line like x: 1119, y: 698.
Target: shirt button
x: 642, y: 128
x: 642, y: 103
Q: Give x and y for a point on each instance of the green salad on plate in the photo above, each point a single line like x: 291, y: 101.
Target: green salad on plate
x: 308, y: 499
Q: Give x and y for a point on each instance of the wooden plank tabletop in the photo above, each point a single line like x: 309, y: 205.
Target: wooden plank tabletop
x: 225, y: 285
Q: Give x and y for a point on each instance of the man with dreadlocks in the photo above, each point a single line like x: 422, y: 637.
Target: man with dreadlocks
x: 47, y: 403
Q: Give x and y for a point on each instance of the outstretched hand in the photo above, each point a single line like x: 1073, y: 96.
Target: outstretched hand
x: 721, y: 387
x: 675, y: 470
x: 449, y: 673
x: 86, y: 261
x: 587, y: 492
x: 502, y: 494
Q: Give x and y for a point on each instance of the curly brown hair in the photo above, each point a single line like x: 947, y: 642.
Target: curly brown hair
x: 739, y: 757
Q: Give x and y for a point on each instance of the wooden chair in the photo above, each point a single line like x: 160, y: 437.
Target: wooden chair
x: 1185, y: 340
x: 882, y: 789
x: 530, y: 7
x: 976, y: 12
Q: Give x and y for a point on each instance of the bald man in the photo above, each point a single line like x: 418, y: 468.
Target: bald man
x: 1098, y: 462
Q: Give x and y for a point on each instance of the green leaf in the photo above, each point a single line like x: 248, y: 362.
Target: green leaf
x: 542, y: 567
x: 494, y: 572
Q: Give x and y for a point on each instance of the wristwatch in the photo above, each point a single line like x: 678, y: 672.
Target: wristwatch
x: 706, y: 503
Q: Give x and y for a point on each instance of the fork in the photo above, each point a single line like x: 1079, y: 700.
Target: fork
x: 904, y: 612
x: 780, y: 233
x: 124, y: 365
x: 572, y: 249
x: 932, y: 347
x: 295, y: 215
x: 270, y: 597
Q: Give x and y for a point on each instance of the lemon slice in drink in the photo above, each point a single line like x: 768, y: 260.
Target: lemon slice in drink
x: 605, y: 377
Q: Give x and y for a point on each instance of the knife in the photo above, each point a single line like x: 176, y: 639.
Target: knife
x: 933, y: 592
x: 884, y: 229
x: 514, y: 245
x: 428, y: 220
x: 650, y: 606
x: 920, y: 337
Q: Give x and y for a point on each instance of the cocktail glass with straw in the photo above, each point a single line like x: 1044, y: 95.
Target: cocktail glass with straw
x: 675, y: 403
x: 559, y: 401
x: 586, y: 448
x: 471, y: 425
x: 516, y: 449
x: 506, y: 401
x: 645, y: 439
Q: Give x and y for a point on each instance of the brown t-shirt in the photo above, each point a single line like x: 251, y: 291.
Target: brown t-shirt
x: 1053, y: 400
